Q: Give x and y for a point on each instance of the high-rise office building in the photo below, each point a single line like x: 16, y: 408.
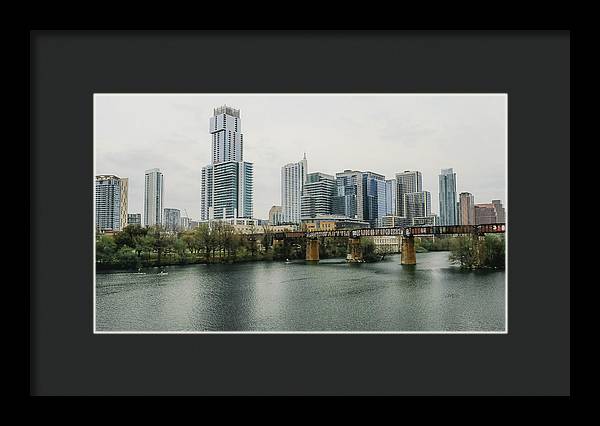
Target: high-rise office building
x: 360, y: 195
x: 111, y: 202
x: 489, y: 213
x: 466, y: 208
x: 348, y: 195
x: 293, y: 178
x: 485, y: 213
x: 153, y: 197
x: 417, y: 204
x: 391, y: 197
x: 500, y: 212
x: 172, y: 219
x: 228, y: 182
x: 275, y: 215
x: 317, y: 195
x: 134, y: 219
x: 374, y: 197
x: 407, y: 182
x: 447, y: 194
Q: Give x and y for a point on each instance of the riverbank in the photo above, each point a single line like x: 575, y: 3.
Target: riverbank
x: 117, y: 266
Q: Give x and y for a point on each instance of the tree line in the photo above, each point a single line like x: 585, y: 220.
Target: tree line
x: 474, y: 252
x: 136, y: 247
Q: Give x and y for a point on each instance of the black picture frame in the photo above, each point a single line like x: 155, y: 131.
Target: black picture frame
x: 67, y: 67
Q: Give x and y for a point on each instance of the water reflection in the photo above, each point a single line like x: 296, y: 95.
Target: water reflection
x: 332, y: 295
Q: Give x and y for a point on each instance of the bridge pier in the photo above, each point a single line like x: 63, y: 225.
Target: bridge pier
x: 479, y: 240
x: 354, y: 250
x: 408, y: 256
x: 312, y: 250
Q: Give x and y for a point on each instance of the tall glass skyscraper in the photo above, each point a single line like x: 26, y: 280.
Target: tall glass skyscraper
x: 293, y: 178
x: 111, y: 202
x: 348, y: 195
x: 228, y: 182
x: 391, y: 197
x: 153, y: 197
x: 360, y: 195
x: 417, y: 204
x: 317, y: 195
x: 374, y: 197
x: 448, y: 202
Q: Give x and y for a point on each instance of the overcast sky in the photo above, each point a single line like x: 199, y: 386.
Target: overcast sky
x: 384, y: 134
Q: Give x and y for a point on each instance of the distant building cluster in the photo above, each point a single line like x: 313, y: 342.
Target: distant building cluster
x: 309, y: 201
x: 368, y: 199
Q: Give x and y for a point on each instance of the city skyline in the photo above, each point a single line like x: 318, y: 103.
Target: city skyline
x: 180, y: 144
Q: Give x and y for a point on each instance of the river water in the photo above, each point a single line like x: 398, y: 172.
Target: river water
x: 330, y: 296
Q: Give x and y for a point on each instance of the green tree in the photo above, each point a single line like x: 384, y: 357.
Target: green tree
x: 180, y: 247
x: 205, y: 239
x: 494, y: 251
x: 130, y: 235
x: 126, y: 258
x: 160, y: 242
x: 464, y: 250
x: 367, y: 247
x: 267, y: 238
x: 106, y: 249
x: 146, y: 245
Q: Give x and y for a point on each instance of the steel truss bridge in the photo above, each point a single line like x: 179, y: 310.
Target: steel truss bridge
x: 414, y: 231
x: 406, y: 235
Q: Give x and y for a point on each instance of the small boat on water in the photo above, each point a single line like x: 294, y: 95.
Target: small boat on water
x: 287, y: 261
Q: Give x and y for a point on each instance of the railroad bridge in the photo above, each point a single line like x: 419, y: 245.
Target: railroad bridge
x: 407, y: 234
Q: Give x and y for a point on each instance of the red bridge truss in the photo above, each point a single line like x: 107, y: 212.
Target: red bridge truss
x: 492, y: 228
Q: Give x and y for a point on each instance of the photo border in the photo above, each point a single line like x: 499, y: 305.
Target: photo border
x: 505, y: 201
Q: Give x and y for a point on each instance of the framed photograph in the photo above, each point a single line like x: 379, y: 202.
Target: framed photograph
x: 299, y: 213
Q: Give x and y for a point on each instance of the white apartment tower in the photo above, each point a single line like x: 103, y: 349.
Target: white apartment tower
x: 111, y: 202
x: 153, y: 197
x: 227, y: 183
x: 293, y: 178
x: 227, y: 137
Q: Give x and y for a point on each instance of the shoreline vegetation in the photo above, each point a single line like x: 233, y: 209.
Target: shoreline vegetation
x: 135, y: 247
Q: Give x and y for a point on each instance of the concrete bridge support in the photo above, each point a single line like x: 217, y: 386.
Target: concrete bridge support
x: 479, y: 243
x: 354, y: 250
x: 408, y: 256
x: 312, y: 251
